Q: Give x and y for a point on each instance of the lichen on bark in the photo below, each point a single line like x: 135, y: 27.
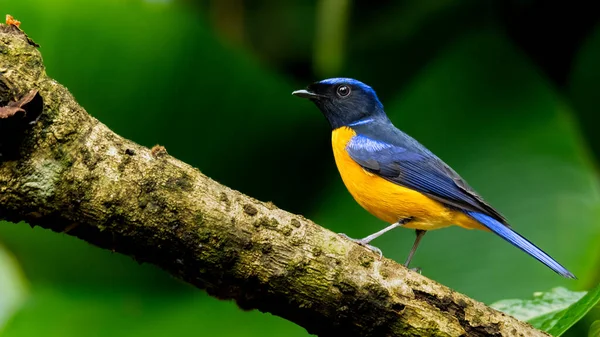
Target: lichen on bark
x: 70, y: 173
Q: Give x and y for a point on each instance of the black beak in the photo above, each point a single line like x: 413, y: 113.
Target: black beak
x: 306, y: 94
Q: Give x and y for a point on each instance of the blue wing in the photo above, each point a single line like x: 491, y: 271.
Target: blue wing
x: 393, y: 155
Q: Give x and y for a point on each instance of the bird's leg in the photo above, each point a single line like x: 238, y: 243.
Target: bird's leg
x: 366, y: 240
x: 420, y: 233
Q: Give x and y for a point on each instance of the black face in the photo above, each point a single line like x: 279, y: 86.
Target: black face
x: 343, y: 101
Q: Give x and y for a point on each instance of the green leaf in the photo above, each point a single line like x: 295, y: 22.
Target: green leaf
x: 542, y: 304
x: 565, y: 319
x: 12, y: 289
x: 555, y: 311
x: 486, y: 111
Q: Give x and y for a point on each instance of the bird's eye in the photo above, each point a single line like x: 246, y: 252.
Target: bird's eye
x: 343, y: 90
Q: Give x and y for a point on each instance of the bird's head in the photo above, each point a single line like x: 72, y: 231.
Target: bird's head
x: 343, y: 101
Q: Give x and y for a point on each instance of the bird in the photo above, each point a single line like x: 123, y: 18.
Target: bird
x: 396, y: 178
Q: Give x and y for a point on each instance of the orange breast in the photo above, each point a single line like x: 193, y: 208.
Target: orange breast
x: 388, y: 201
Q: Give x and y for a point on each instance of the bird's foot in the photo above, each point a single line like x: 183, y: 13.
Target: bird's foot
x: 416, y: 269
x: 364, y: 243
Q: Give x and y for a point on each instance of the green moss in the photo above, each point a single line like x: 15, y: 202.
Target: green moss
x: 345, y: 287
x: 183, y: 183
x: 286, y: 230
x: 270, y: 223
x: 266, y: 247
x: 317, y: 251
x: 43, y: 178
x: 295, y: 241
x: 366, y: 261
x: 199, y: 219
x: 378, y: 292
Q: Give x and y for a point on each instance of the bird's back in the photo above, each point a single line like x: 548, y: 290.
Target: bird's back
x: 388, y: 152
x: 387, y: 199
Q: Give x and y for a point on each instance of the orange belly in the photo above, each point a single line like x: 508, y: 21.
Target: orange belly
x: 388, y: 201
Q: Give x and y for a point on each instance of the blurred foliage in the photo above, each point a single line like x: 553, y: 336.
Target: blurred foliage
x: 594, y: 329
x: 211, y: 81
x: 12, y: 288
x: 107, y: 311
x: 584, y: 84
x: 330, y: 39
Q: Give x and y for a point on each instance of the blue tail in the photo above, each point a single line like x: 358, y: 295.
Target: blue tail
x: 520, y: 242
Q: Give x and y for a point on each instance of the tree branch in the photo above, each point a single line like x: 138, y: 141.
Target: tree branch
x: 70, y: 173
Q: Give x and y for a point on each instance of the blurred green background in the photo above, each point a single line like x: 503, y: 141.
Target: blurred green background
x: 503, y: 91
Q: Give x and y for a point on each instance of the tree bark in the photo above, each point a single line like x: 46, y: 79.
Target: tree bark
x: 63, y: 170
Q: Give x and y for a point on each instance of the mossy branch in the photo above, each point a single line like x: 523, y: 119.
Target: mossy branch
x: 69, y: 173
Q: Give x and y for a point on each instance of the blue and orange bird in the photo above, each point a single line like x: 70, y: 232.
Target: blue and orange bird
x: 396, y: 178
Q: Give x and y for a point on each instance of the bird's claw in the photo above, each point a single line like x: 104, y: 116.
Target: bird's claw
x: 364, y: 244
x: 415, y: 269
x: 345, y: 236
